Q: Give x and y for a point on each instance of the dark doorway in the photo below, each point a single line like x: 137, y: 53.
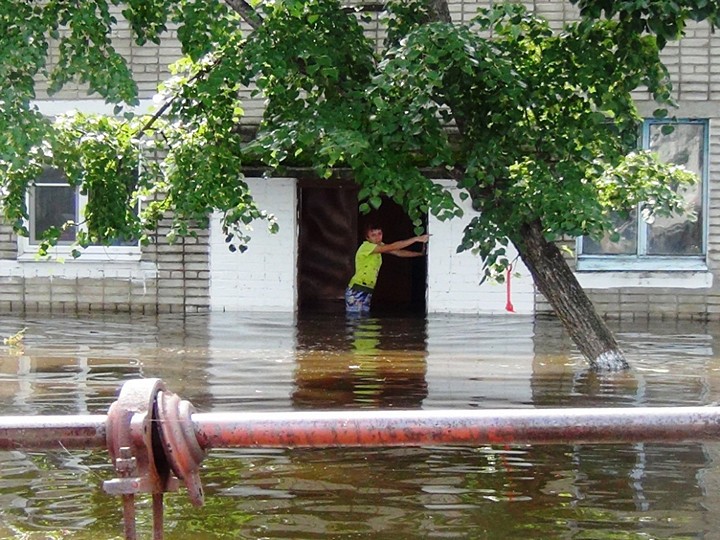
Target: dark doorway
x: 330, y: 231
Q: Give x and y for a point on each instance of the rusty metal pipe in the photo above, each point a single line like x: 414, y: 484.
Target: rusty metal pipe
x: 391, y: 428
x: 152, y: 434
x: 464, y: 427
x: 49, y: 432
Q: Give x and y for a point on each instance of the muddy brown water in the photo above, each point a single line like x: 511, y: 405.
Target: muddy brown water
x: 279, y: 362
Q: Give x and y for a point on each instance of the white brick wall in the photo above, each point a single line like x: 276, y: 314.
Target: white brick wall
x: 453, y: 278
x: 262, y: 278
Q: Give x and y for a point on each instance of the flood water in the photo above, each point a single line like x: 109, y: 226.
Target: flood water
x: 255, y: 362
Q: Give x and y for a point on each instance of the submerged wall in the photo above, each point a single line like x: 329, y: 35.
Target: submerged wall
x: 263, y: 277
x: 163, y: 278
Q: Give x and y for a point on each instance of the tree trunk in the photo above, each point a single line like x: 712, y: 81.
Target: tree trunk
x: 556, y: 281
x: 439, y: 10
x: 553, y: 276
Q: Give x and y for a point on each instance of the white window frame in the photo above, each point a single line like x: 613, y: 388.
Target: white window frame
x: 28, y: 251
x: 661, y: 263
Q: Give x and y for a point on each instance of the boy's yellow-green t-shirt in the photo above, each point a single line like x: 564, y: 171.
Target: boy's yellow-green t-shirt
x: 367, y: 266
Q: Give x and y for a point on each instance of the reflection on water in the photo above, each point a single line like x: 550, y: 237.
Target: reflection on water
x: 280, y: 362
x: 360, y: 362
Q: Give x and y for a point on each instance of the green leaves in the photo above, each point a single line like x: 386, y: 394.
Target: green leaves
x: 147, y: 18
x: 23, y: 48
x: 203, y: 26
x: 666, y: 19
x: 642, y: 178
x: 541, y: 148
x: 99, y: 156
x: 86, y: 53
x: 533, y: 124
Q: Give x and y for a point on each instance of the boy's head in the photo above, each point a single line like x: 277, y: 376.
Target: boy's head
x: 373, y: 233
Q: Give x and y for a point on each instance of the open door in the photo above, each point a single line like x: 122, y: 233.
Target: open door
x: 327, y: 218
x: 330, y: 231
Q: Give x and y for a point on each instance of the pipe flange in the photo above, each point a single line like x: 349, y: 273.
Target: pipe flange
x: 131, y: 439
x: 182, y: 450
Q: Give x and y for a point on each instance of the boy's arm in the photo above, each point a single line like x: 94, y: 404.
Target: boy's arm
x: 400, y: 244
x: 406, y: 253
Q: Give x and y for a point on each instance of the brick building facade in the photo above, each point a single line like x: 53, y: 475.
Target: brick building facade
x: 200, y: 274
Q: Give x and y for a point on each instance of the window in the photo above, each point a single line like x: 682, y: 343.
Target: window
x: 667, y: 243
x: 52, y: 202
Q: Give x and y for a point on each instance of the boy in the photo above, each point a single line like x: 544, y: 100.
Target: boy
x: 368, y: 259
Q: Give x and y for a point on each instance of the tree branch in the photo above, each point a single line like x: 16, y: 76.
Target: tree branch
x: 250, y: 16
x: 154, y: 118
x: 247, y: 12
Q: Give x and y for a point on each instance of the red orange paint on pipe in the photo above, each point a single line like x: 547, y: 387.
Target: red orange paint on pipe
x: 391, y: 428
x: 413, y: 428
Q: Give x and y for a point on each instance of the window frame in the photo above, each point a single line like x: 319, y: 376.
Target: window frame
x: 641, y: 261
x: 28, y: 249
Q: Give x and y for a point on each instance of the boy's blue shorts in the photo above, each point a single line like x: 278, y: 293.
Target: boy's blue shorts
x: 357, y: 301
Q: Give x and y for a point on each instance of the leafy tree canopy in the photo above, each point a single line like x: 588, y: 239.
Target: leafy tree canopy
x: 532, y: 124
x: 666, y: 19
